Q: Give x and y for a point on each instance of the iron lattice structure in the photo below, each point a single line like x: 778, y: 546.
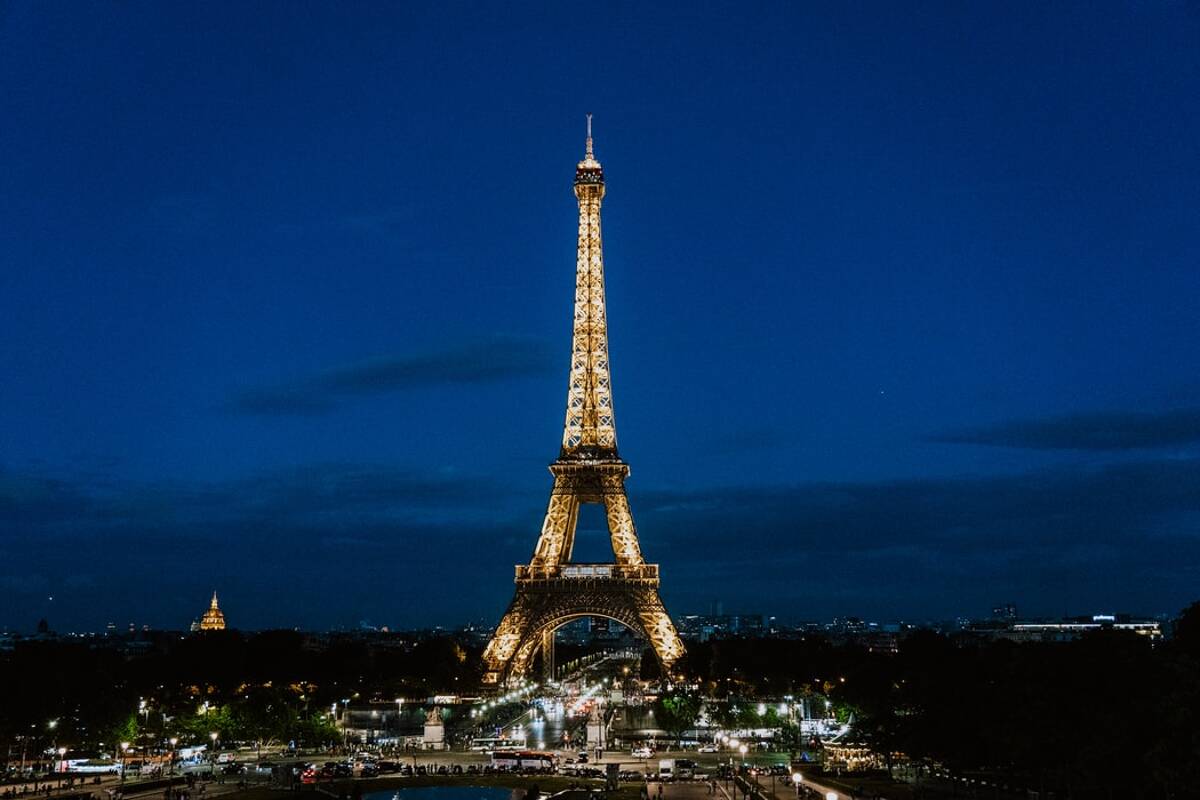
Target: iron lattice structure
x: 551, y: 589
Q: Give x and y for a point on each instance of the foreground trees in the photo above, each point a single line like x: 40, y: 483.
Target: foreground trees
x: 1109, y: 712
x: 276, y: 686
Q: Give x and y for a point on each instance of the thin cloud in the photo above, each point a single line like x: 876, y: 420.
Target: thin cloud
x: 1126, y: 534
x: 1047, y: 511
x: 1124, y: 430
x: 490, y: 361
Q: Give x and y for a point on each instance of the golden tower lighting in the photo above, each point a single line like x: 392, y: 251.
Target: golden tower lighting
x: 551, y: 589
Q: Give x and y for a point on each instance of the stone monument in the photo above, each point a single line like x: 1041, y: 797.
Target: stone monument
x: 595, y: 729
x: 435, y: 730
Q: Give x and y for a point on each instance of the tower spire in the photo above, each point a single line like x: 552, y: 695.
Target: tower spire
x: 589, y: 138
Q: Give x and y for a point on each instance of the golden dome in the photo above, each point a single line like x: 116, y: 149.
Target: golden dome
x: 213, y: 619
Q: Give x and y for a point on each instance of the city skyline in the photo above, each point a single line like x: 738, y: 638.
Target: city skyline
x: 900, y: 326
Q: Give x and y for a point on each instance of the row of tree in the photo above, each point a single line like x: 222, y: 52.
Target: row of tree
x: 1111, y: 714
x: 271, y: 686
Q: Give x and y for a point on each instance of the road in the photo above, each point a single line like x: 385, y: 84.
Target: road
x: 727, y: 791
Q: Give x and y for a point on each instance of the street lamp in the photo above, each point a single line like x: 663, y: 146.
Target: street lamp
x: 213, y: 755
x: 171, y: 764
x: 124, y: 752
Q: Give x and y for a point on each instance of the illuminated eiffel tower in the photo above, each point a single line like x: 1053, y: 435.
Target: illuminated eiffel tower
x: 552, y: 590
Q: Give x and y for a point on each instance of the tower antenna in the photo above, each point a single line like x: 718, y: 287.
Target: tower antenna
x: 589, y: 135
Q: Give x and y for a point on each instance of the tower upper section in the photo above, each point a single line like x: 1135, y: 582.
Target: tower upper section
x: 589, y: 175
x: 590, y: 429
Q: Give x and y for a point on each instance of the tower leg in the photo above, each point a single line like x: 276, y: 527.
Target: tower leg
x: 548, y: 655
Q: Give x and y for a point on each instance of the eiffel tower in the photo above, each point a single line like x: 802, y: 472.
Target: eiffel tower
x: 552, y: 589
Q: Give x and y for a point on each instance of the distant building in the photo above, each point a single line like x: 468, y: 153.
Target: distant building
x: 1065, y: 629
x: 1074, y: 627
x: 1007, y: 611
x: 212, y: 620
x: 702, y: 628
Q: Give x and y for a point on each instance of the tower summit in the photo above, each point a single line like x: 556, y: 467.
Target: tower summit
x: 552, y: 589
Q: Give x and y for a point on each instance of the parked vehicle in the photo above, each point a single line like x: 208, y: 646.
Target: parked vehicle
x: 642, y: 752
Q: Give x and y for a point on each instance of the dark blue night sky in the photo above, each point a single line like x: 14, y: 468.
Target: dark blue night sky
x: 904, y: 303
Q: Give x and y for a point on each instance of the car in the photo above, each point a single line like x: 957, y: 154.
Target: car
x: 233, y: 768
x: 709, y: 748
x: 641, y: 752
x: 369, y: 770
x: 387, y: 767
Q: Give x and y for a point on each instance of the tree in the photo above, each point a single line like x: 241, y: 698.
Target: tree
x: 677, y: 714
x: 125, y: 731
x: 789, y: 738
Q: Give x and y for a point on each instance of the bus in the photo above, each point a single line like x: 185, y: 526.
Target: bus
x: 523, y: 759
x: 487, y: 744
